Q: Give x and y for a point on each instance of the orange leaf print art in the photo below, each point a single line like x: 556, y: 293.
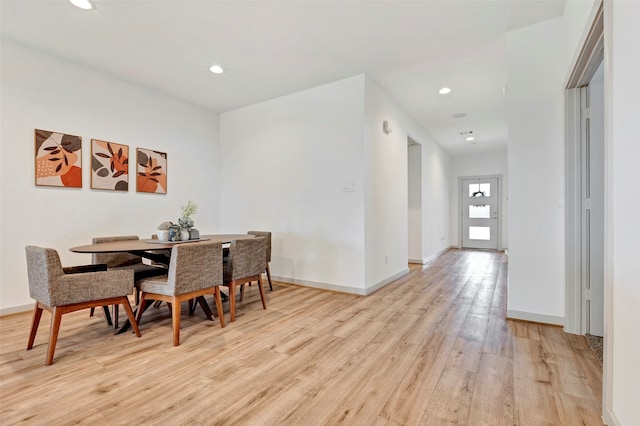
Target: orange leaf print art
x: 109, y: 166
x: 58, y: 159
x: 152, y: 166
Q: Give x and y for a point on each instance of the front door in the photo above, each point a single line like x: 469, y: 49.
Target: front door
x: 479, y: 203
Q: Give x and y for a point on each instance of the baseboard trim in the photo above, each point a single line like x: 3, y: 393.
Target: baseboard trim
x: 432, y: 257
x: 533, y: 317
x: 342, y: 288
x: 610, y: 419
x: 388, y: 280
x: 319, y: 285
x: 16, y: 309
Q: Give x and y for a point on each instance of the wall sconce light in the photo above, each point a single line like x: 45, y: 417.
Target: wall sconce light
x: 385, y: 127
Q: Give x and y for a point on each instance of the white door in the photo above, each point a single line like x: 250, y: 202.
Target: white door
x: 479, y: 203
x: 593, y: 206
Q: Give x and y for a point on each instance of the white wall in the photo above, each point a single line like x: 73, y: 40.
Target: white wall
x: 386, y: 186
x: 622, y: 197
x: 386, y: 189
x: 45, y: 93
x: 307, y: 147
x: 436, y: 198
x: 286, y: 163
x: 481, y: 164
x: 535, y: 102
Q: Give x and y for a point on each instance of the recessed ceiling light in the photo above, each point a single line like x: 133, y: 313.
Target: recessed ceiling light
x: 216, y: 69
x: 470, y: 138
x: 459, y: 115
x: 444, y: 91
x: 82, y: 4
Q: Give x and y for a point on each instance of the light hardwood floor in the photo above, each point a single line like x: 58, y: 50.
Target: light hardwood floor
x: 431, y: 348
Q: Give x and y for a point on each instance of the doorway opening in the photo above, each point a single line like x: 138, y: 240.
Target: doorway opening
x: 414, y: 163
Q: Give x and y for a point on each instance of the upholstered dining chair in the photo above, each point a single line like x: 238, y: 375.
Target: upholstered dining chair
x: 127, y: 261
x: 195, y: 269
x: 246, y: 263
x: 61, y: 293
x: 267, y: 236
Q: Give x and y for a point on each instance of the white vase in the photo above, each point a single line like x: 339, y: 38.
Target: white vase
x: 163, y: 234
x: 184, y: 234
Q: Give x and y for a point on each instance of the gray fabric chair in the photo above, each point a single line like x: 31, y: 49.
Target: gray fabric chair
x: 115, y: 261
x: 267, y: 236
x: 61, y: 293
x: 195, y: 269
x: 247, y: 261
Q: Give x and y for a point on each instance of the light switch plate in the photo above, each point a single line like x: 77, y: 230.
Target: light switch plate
x: 349, y: 187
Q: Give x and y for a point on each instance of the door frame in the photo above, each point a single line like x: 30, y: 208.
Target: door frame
x: 499, y: 201
x: 590, y: 58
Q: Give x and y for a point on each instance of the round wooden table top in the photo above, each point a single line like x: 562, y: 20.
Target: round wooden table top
x: 149, y: 244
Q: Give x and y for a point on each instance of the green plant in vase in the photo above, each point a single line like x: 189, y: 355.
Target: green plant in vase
x: 186, y: 221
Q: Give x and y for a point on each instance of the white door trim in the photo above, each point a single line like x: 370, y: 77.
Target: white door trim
x: 587, y: 64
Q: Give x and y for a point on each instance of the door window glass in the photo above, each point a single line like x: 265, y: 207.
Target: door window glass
x: 479, y: 211
x: 480, y: 233
x: 480, y: 190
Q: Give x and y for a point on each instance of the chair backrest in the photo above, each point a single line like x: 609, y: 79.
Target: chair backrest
x: 267, y: 236
x: 113, y: 260
x: 43, y: 267
x: 247, y: 258
x: 194, y: 266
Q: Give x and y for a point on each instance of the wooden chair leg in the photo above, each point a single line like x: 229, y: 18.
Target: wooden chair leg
x: 37, y: 314
x: 232, y: 301
x: 269, y: 277
x: 93, y: 311
x: 53, y: 333
x: 242, y: 292
x: 218, y: 299
x: 191, y: 306
x: 127, y: 308
x: 264, y: 305
x: 175, y: 320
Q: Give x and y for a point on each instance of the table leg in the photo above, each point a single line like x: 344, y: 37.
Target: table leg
x: 127, y: 324
x: 205, y: 307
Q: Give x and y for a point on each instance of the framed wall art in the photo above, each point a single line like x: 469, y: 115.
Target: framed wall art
x: 58, y: 159
x: 109, y: 166
x: 151, y: 171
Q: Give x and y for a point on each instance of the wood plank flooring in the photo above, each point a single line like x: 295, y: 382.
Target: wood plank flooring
x: 431, y: 348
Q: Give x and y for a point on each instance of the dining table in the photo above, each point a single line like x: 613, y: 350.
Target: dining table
x: 153, y: 249
x: 156, y: 251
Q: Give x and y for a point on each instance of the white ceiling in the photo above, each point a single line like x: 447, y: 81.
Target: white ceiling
x: 273, y: 48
